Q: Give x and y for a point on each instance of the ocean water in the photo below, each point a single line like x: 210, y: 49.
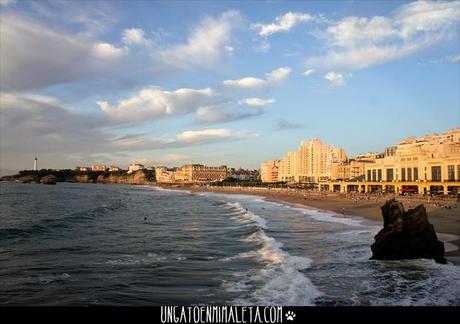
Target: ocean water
x: 88, y: 244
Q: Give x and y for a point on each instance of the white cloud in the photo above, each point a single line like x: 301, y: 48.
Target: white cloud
x: 207, y: 135
x: 455, y: 58
x: 229, y: 48
x: 32, y: 124
x: 134, y: 36
x: 359, y: 42
x: 282, y: 23
x: 183, y: 139
x: 33, y: 55
x: 272, y: 78
x: 205, y: 45
x: 308, y: 72
x: 108, y: 51
x: 245, y: 83
x: 257, y: 102
x: 335, y: 78
x: 278, y: 75
x: 154, y: 103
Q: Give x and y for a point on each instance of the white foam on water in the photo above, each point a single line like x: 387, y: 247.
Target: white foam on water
x: 440, y: 287
x: 156, y: 188
x: 280, y: 281
x: 247, y: 215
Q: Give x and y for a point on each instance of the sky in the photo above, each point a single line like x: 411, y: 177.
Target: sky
x: 220, y: 82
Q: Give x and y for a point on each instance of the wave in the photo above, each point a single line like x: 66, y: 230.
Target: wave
x: 161, y: 189
x: 244, y: 214
x: 47, y: 225
x: 411, y: 283
x: 280, y: 281
x: 323, y: 216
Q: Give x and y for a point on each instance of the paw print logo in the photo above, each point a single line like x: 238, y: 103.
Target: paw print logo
x: 290, y: 316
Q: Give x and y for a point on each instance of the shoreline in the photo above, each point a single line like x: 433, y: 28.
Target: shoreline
x: 444, y: 220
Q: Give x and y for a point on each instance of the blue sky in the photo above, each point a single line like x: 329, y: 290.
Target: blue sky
x: 220, y: 82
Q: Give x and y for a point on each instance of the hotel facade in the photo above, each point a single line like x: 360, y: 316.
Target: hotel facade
x: 191, y: 173
x: 425, y: 164
x: 419, y: 164
x: 312, y: 162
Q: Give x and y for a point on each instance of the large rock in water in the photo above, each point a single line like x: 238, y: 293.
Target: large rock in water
x: 406, y: 235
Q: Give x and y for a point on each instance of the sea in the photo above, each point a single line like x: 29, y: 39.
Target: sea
x: 97, y: 244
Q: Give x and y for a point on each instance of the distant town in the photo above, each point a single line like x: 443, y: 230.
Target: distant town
x: 427, y: 164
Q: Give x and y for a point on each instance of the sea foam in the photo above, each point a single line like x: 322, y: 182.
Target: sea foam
x: 280, y: 281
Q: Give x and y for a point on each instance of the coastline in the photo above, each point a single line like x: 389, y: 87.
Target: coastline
x: 445, y: 221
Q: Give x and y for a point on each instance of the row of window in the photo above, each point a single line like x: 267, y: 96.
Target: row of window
x: 411, y: 174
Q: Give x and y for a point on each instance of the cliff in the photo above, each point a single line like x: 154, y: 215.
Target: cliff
x: 44, y: 176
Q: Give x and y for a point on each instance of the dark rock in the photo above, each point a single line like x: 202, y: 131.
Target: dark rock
x: 30, y: 179
x: 49, y: 179
x: 406, y: 235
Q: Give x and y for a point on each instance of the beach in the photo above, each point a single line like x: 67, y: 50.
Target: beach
x: 443, y: 213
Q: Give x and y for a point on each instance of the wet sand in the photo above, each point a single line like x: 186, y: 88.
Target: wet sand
x: 446, y: 221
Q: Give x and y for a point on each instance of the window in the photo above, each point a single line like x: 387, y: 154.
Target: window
x: 451, y: 172
x: 403, y: 174
x: 379, y: 175
x: 368, y: 175
x: 436, y: 173
x: 409, y: 174
x: 458, y: 172
x: 415, y: 174
x: 374, y: 175
x: 389, y: 174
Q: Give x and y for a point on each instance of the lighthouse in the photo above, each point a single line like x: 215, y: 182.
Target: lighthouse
x: 35, y: 164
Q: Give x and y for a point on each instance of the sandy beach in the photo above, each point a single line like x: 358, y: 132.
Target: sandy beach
x: 443, y: 213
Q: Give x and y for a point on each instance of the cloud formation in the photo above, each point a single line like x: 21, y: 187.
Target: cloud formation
x: 308, y: 72
x: 134, y: 36
x: 154, y: 103
x: 282, y: 23
x: 257, y: 102
x: 335, y: 78
x: 35, y: 56
x: 359, y: 42
x: 272, y: 78
x: 205, y: 45
x: 33, y: 124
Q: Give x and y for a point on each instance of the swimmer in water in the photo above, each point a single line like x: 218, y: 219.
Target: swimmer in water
x: 145, y: 218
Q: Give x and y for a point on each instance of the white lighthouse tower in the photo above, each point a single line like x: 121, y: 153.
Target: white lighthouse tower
x: 35, y: 164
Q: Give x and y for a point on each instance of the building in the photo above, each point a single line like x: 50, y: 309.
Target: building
x: 351, y: 169
x: 98, y: 167
x: 311, y: 163
x: 164, y: 174
x: 427, y: 163
x: 114, y: 168
x: 200, y: 173
x: 83, y: 168
x: 133, y: 167
x: 35, y: 164
x: 243, y: 174
x: 269, y: 171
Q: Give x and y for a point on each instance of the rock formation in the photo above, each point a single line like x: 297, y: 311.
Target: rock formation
x: 49, y: 179
x: 406, y: 235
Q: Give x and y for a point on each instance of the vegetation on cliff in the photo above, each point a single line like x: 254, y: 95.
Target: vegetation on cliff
x: 29, y: 176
